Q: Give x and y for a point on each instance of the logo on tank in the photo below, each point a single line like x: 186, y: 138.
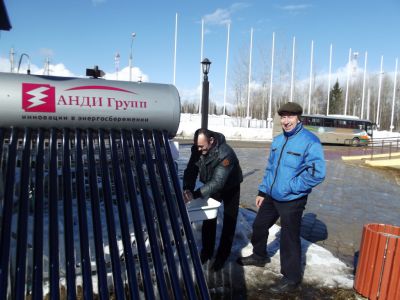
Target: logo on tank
x: 38, y: 98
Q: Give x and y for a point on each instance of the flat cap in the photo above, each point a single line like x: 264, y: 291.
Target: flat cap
x: 290, y: 108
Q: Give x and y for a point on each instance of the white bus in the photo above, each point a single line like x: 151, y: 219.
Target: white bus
x: 335, y: 129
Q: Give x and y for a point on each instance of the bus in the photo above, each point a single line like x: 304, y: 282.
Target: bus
x: 335, y: 129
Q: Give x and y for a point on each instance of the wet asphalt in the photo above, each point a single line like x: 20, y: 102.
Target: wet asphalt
x: 351, y: 196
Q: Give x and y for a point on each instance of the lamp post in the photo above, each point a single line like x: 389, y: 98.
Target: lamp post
x: 205, y: 93
x: 130, y: 56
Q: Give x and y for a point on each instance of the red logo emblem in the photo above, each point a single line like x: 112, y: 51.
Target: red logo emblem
x: 38, y: 98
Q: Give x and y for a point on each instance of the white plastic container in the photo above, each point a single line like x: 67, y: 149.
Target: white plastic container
x: 202, y: 209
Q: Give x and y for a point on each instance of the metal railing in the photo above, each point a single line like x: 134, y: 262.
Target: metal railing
x: 384, y: 147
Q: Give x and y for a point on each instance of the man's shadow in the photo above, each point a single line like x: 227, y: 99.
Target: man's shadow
x: 313, y: 229
x: 230, y: 282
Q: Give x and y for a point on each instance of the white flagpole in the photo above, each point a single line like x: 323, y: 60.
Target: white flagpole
x: 270, y: 86
x: 292, y: 78
x: 364, y: 80
x: 248, y: 86
x: 368, y: 101
x: 176, y: 39
x: 329, y: 79
x: 226, y: 67
x: 379, y: 94
x: 311, y: 72
x: 394, y: 96
x: 347, y: 83
x: 201, y: 59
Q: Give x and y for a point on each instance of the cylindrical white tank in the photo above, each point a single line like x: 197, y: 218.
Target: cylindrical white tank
x: 50, y: 101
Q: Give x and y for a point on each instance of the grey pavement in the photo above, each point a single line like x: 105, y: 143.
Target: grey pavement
x: 351, y: 195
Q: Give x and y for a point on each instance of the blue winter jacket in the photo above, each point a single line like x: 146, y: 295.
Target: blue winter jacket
x: 295, y: 165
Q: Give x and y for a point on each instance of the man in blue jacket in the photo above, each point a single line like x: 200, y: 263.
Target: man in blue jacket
x: 295, y: 165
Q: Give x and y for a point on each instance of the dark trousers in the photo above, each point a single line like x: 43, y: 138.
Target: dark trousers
x: 290, y: 246
x: 230, y: 199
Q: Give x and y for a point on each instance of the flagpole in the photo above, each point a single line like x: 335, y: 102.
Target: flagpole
x: 269, y: 119
x: 394, y: 96
x: 329, y: 79
x: 368, y: 102
x: 292, y: 77
x: 311, y: 72
x: 201, y: 59
x: 248, y: 86
x: 347, y: 83
x: 364, y: 80
x: 379, y: 94
x: 226, y: 67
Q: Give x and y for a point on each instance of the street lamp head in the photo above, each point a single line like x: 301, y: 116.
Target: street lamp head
x: 206, y: 66
x: 133, y: 34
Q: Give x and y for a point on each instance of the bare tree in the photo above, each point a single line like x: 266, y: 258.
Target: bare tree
x: 318, y: 104
x: 386, y: 102
x: 240, y: 75
x: 188, y: 107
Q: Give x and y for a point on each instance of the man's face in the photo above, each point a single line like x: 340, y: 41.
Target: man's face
x: 203, y: 144
x: 289, y: 121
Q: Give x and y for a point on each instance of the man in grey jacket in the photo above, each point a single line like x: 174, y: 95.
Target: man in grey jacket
x: 217, y: 166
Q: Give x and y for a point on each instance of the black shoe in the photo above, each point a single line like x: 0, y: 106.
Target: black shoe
x: 253, y: 260
x: 285, y: 286
x: 218, y: 264
x: 204, y: 257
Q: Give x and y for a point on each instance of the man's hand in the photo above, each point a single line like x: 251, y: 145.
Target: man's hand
x: 259, y: 201
x: 187, y: 196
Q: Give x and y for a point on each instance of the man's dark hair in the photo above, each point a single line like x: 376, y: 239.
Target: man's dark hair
x: 206, y: 132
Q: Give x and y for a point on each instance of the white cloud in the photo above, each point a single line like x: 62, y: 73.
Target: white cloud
x: 295, y: 8
x: 4, y: 65
x: 123, y: 74
x: 219, y: 17
x: 190, y: 95
x: 239, y: 6
x: 61, y: 70
x: 56, y: 70
x: 222, y: 16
